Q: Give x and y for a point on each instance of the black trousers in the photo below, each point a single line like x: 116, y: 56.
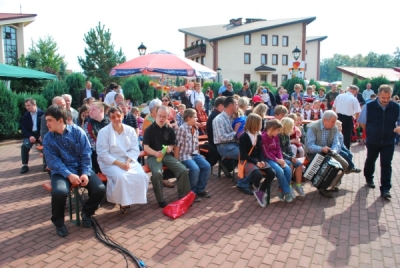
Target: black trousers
x: 26, y: 147
x: 386, y: 157
x: 347, y: 128
x: 60, y: 190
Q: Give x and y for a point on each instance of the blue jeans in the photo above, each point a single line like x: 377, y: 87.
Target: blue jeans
x: 228, y: 150
x: 284, y: 175
x: 348, y: 156
x: 289, y: 163
x: 207, y: 108
x: 199, y: 171
x: 245, y: 182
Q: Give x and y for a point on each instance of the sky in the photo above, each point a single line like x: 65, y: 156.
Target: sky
x: 352, y: 27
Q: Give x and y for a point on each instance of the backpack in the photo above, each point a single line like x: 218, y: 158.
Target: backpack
x: 212, y: 156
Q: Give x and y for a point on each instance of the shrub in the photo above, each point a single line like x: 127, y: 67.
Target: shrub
x: 253, y: 86
x: 96, y: 85
x: 270, y: 86
x: 289, y: 84
x: 147, y: 90
x: 315, y: 83
x: 75, y: 83
x: 55, y: 88
x: 41, y: 102
x: 237, y: 86
x: 396, y: 89
x: 375, y: 82
x: 9, y: 113
x: 132, y: 91
x: 206, y: 85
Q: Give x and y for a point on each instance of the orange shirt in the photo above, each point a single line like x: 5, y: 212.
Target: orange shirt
x: 201, y: 116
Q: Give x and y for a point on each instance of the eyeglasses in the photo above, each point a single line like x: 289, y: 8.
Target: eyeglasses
x: 164, y: 100
x: 114, y: 116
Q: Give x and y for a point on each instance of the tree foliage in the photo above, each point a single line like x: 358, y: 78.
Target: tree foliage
x: 315, y: 83
x: 41, y: 102
x: 147, y: 90
x: 75, y: 83
x: 96, y: 84
x: 9, y: 113
x: 55, y: 88
x: 289, y: 84
x: 100, y: 56
x: 132, y: 91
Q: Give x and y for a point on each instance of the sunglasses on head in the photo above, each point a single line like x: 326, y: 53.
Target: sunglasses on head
x: 114, y: 116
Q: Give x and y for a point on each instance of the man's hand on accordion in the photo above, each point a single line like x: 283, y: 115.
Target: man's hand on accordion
x: 326, y: 149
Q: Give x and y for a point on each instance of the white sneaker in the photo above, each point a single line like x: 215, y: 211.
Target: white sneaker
x: 299, y: 190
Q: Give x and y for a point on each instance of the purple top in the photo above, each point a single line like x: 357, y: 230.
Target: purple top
x: 271, y: 147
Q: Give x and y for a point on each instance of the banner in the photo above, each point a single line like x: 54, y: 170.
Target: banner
x: 296, y: 69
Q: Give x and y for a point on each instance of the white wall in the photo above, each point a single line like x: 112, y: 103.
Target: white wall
x: 312, y: 60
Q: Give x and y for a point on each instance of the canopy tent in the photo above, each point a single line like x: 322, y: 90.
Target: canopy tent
x: 9, y: 72
x: 163, y: 62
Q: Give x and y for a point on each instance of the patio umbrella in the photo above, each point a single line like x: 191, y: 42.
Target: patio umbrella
x: 9, y: 72
x: 163, y: 62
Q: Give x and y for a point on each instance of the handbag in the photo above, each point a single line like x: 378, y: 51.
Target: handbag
x: 242, y: 165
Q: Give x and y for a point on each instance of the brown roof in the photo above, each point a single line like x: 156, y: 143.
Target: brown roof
x: 365, y: 72
x: 315, y: 38
x: 216, y: 32
x: 10, y: 16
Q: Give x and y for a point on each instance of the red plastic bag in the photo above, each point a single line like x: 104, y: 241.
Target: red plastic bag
x: 179, y: 207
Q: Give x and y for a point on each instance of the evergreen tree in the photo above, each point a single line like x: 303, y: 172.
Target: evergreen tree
x: 100, y: 55
x: 132, y: 91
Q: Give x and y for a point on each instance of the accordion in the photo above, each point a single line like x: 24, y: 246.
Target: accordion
x: 324, y: 171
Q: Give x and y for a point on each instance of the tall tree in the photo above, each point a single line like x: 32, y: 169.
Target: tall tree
x: 396, y: 58
x: 100, y: 55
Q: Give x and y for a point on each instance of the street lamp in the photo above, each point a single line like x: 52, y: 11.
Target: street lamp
x: 142, y: 49
x: 296, y: 53
x: 218, y: 72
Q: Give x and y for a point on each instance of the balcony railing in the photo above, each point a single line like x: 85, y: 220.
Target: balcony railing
x: 195, y: 51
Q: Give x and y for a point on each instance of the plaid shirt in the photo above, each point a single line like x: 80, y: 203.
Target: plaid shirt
x: 314, y: 148
x: 68, y: 153
x: 187, y: 142
x: 179, y: 119
x: 223, y: 131
x: 130, y: 120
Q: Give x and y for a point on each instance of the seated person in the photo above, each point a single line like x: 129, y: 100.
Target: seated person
x: 201, y: 117
x: 280, y: 112
x: 239, y: 120
x: 166, y: 101
x: 83, y: 115
x: 67, y: 151
x: 307, y: 112
x: 151, y: 117
x: 117, y: 148
x: 136, y: 113
x: 179, y: 115
x: 261, y: 110
x: 296, y: 107
x: 295, y: 137
x: 345, y: 153
x: 96, y: 121
x: 187, y: 151
x: 316, y: 111
x: 157, y: 135
x: 323, y: 137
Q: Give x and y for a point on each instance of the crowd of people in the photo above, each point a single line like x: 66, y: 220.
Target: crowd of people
x: 263, y: 132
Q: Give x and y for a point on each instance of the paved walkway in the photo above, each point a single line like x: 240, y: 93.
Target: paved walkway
x: 355, y: 229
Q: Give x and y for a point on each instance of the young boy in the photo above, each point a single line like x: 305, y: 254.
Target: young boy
x: 345, y: 153
x: 280, y: 112
x: 296, y: 107
x: 179, y: 115
x: 187, y: 151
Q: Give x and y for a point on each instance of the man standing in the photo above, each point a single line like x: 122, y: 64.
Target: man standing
x: 229, y: 91
x: 323, y: 137
x: 88, y: 92
x: 196, y: 94
x: 378, y: 118
x: 223, y: 87
x: 367, y: 92
x: 67, y: 151
x: 157, y: 135
x: 245, y: 91
x: 346, y: 106
x: 331, y: 96
x: 68, y: 102
x: 30, y: 126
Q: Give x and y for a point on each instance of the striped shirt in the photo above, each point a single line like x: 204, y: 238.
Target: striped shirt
x: 223, y: 131
x: 187, y: 142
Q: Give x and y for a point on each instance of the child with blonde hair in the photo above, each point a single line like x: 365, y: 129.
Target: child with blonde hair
x: 289, y: 156
x: 239, y: 122
x: 295, y: 137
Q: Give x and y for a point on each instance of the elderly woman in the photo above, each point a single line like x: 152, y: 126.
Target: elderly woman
x: 92, y: 127
x: 118, y: 150
x: 151, y: 117
x: 201, y: 117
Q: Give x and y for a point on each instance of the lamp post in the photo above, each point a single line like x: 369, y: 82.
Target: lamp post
x: 296, y: 53
x: 142, y: 49
x: 218, y: 72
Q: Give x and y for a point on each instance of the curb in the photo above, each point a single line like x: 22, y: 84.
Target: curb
x: 9, y: 142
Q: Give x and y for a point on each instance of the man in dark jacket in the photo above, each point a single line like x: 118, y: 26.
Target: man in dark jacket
x: 87, y: 92
x: 30, y: 126
x: 245, y: 91
x: 379, y: 119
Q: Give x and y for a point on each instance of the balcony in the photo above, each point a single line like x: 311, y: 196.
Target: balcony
x: 196, y: 50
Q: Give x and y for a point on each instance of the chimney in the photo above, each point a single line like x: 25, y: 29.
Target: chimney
x: 236, y: 22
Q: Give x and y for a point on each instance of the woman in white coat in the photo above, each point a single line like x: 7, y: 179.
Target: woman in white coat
x: 117, y: 152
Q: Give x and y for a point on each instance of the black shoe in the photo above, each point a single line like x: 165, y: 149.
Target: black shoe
x: 225, y: 170
x: 86, y: 220
x: 204, y: 194
x: 325, y: 193
x: 162, y: 204
x: 386, y: 195
x: 245, y: 190
x: 62, y: 231
x: 197, y: 198
x: 371, y: 185
x: 353, y: 170
x: 24, y: 169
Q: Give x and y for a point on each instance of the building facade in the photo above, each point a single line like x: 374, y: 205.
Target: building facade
x: 254, y: 49
x: 12, y: 36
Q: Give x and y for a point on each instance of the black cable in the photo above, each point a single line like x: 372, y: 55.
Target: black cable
x: 100, y: 234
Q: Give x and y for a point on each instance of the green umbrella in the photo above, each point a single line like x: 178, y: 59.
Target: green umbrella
x: 9, y: 72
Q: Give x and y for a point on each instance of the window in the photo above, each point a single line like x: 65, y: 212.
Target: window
x: 284, y: 77
x: 275, y: 40
x: 246, y: 77
x: 197, y: 59
x: 285, y: 41
x: 274, y: 59
x: 264, y: 78
x: 264, y: 59
x: 10, y: 45
x: 246, y: 58
x: 264, y: 40
x: 274, y: 80
x: 203, y: 60
x: 247, y: 39
x: 284, y: 59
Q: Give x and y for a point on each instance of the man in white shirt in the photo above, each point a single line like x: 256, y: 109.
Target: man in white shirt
x: 346, y: 106
x: 110, y: 97
x: 196, y: 94
x: 367, y: 92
